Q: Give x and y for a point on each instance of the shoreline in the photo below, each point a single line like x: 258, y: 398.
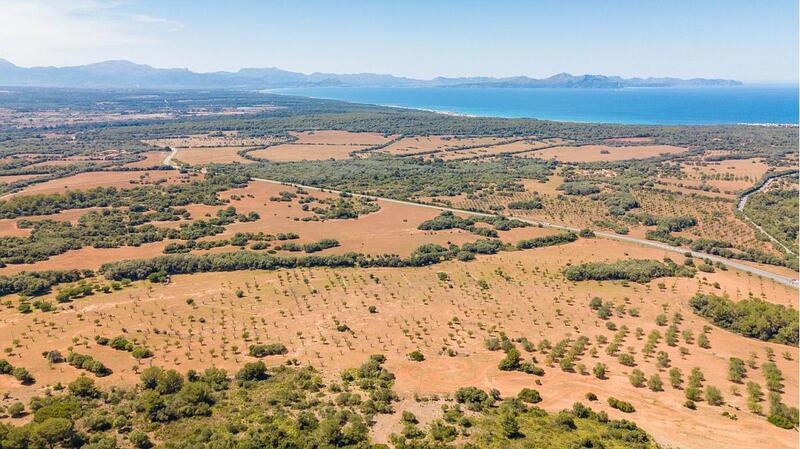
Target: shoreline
x: 509, y: 114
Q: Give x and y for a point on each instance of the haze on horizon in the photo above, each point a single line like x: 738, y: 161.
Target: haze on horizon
x: 748, y: 41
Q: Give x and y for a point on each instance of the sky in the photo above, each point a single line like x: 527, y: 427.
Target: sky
x: 754, y: 41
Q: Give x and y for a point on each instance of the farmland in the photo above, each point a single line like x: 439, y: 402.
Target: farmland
x: 311, y: 236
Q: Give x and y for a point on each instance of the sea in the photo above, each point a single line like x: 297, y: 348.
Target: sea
x: 750, y: 104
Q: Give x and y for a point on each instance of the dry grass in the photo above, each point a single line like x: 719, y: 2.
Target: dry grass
x: 424, y: 144
x: 151, y: 159
x: 304, y: 152
x: 210, y: 155
x: 593, y: 153
x: 526, y: 296
x: 331, y: 137
x: 90, y: 180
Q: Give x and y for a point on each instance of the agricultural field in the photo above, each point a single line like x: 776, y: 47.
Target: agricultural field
x: 325, y: 274
x: 599, y: 153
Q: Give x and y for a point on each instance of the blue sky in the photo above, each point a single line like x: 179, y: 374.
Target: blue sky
x: 747, y: 40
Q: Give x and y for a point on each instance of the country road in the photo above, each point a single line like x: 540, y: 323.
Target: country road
x: 663, y: 246
x: 674, y: 249
x: 743, y: 202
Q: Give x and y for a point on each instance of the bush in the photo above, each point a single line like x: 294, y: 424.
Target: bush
x: 530, y: 396
x: 622, y: 406
x: 599, y: 370
x: 473, y: 398
x: 713, y: 395
x: 416, y: 356
x: 16, y: 410
x: 252, y: 372
x: 781, y: 421
x: 84, y: 387
x: 263, y: 350
x: 637, y: 378
x: 655, y: 383
x: 140, y: 440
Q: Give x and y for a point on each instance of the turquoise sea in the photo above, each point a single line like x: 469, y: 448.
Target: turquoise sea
x: 697, y: 105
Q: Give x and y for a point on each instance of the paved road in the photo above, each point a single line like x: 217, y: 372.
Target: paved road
x: 663, y: 246
x: 743, y: 202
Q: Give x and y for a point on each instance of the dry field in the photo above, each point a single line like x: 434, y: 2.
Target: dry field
x: 151, y: 159
x: 630, y: 139
x: 390, y: 230
x: 321, y: 145
x: 593, y: 153
x: 331, y: 137
x: 520, y: 146
x: 525, y: 295
x: 210, y: 155
x: 211, y: 140
x: 426, y: 144
x: 90, y: 180
x: 8, y: 179
x: 304, y: 152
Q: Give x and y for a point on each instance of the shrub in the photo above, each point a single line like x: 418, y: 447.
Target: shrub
x: 84, y: 387
x: 736, y: 370
x: 781, y: 421
x: 626, y: 359
x: 530, y: 396
x: 599, y: 370
x: 622, y: 406
x: 655, y: 383
x: 416, y: 356
x: 473, y: 398
x: 637, y: 378
x: 252, y: 372
x: 263, y: 350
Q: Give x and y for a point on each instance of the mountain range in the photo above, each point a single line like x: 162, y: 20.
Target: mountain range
x: 126, y: 74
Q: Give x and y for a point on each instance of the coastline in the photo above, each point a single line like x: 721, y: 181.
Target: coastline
x: 739, y: 105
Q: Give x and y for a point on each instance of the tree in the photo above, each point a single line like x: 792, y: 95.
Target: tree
x: 52, y: 432
x: 754, y: 397
x: 84, y: 387
x: 675, y: 377
x: 703, y: 342
x: 252, y: 371
x: 599, y: 370
x: 662, y: 359
x: 511, y: 361
x: 736, y: 370
x: 150, y: 377
x: 655, y: 383
x: 713, y: 395
x: 637, y: 378
x: 170, y: 382
x: 509, y: 425
x: 16, y: 410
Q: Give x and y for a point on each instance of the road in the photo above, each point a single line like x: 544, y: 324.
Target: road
x: 743, y: 202
x: 624, y: 238
x: 170, y: 156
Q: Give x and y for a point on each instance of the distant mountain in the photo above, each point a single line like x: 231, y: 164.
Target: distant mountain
x: 126, y: 74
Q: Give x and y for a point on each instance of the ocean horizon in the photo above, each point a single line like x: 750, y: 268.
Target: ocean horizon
x: 747, y: 104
